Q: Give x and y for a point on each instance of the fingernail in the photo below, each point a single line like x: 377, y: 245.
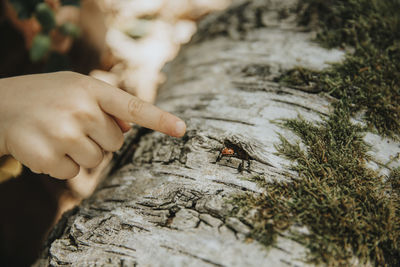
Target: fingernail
x: 180, y: 128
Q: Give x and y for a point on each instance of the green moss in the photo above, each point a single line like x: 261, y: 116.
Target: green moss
x: 349, y: 209
x: 258, y: 179
x: 394, y: 180
x: 357, y: 23
x: 369, y: 79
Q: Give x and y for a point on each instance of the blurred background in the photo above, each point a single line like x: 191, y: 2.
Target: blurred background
x: 123, y: 42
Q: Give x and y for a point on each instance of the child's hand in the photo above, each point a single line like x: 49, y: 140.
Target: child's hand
x: 55, y: 123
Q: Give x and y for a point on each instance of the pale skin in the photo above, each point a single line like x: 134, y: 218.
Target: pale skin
x: 57, y: 123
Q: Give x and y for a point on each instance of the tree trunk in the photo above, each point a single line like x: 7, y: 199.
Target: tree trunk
x: 165, y: 203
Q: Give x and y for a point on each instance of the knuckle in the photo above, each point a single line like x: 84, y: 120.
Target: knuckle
x: 97, y: 159
x: 84, y: 113
x: 68, y: 74
x: 44, y: 159
x: 162, y: 121
x: 81, y: 81
x: 69, y: 171
x: 72, y: 172
x: 78, y: 81
x: 117, y: 144
x: 135, y: 106
x: 68, y: 133
x: 70, y: 138
x: 120, y: 141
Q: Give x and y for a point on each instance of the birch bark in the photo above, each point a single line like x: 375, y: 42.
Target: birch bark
x: 165, y: 204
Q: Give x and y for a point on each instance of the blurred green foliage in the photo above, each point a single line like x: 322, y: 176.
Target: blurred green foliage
x: 70, y: 2
x: 40, y: 50
x: 40, y: 47
x: 45, y: 15
x: 70, y: 29
x: 25, y: 8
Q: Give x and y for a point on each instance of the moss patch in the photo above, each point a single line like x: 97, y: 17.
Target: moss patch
x: 352, y: 212
x: 369, y: 79
x: 394, y: 180
x: 348, y: 208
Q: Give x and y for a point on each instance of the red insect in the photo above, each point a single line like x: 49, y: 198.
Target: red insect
x: 227, y: 151
x: 231, y: 150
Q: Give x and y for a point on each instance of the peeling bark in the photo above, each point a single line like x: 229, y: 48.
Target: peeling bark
x: 165, y: 202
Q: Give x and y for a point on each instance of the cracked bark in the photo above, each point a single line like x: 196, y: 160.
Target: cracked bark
x: 164, y: 204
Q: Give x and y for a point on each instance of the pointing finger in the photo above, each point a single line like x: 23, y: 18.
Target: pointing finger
x: 129, y: 108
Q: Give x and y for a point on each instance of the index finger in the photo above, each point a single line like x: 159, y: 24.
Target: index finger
x: 127, y: 107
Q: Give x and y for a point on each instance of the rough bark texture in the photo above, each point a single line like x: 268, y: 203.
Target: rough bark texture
x: 165, y: 204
